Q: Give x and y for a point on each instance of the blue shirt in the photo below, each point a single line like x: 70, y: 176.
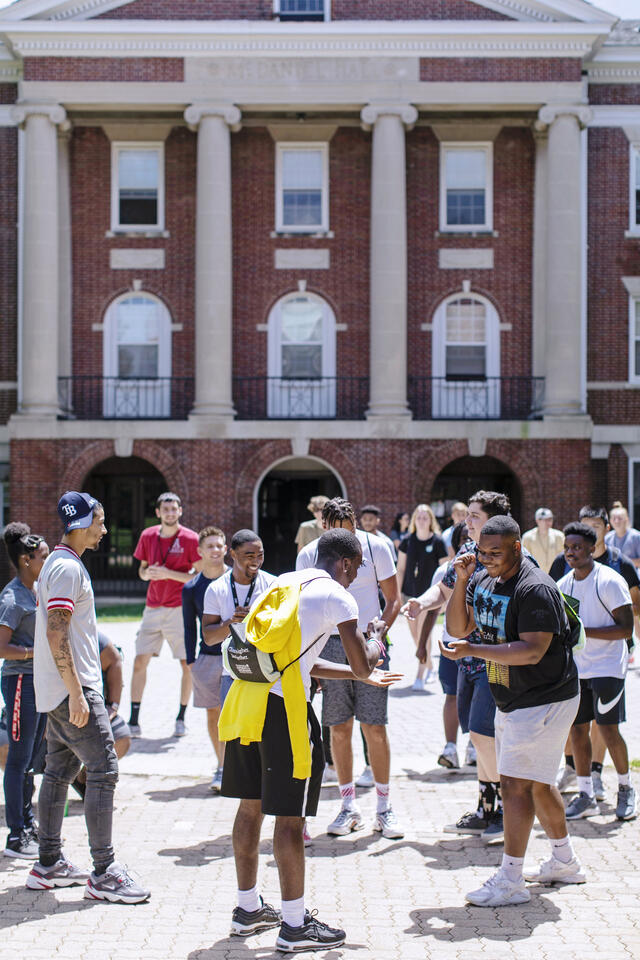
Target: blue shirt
x: 192, y: 606
x: 18, y: 612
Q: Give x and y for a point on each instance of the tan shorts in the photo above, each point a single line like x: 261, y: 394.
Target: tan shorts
x: 158, y: 624
x: 530, y: 742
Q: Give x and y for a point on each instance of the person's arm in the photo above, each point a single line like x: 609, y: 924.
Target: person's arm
x: 58, y: 623
x: 190, y: 625
x: 392, y: 601
x: 635, y: 599
x: 111, y: 663
x: 432, y: 599
x: 363, y: 655
x: 326, y: 670
x: 158, y: 572
x: 528, y: 650
x: 11, y: 651
x: 622, y: 630
x: 143, y: 571
x: 459, y: 616
x: 401, y: 568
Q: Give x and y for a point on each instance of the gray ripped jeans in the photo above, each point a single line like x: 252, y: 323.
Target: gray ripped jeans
x: 68, y: 747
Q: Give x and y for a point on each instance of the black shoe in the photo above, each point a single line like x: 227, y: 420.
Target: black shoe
x: 495, y: 828
x: 472, y: 822
x: 22, y: 846
x: 312, y: 935
x: 246, y: 922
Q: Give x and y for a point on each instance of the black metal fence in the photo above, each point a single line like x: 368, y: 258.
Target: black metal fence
x: 123, y: 398
x: 314, y: 398
x: 494, y: 398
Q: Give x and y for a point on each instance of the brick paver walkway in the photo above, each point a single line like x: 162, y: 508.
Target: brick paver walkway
x: 396, y: 899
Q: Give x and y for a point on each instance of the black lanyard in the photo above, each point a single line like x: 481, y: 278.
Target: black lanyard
x: 169, y: 548
x: 234, y: 592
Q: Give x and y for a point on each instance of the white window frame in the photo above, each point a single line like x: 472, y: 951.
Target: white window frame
x: 634, y: 375
x: 117, y: 147
x: 323, y: 227
x: 487, y: 148
x: 327, y: 9
x: 634, y: 225
x: 631, y: 492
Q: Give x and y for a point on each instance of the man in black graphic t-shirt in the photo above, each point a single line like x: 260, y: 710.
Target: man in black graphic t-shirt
x: 519, y: 613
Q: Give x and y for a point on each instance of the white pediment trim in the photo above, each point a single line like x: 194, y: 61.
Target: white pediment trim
x: 523, y: 10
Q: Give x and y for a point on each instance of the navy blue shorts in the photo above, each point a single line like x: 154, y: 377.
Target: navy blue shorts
x: 448, y: 676
x: 476, y: 706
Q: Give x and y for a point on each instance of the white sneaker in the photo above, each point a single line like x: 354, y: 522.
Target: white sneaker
x: 470, y: 755
x: 598, y: 785
x: 180, y: 728
x: 418, y: 684
x: 449, y: 757
x: 499, y: 891
x: 387, y: 824
x: 567, y: 781
x: 216, y: 781
x: 430, y: 676
x: 555, y: 871
x: 329, y: 775
x: 135, y: 730
x: 366, y: 778
x: 346, y: 822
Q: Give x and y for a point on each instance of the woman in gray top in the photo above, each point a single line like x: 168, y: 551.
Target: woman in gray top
x: 25, y: 726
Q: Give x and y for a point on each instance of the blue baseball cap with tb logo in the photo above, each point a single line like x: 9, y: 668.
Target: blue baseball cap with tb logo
x: 76, y: 510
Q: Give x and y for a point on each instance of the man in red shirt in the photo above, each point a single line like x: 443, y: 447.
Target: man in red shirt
x: 168, y: 557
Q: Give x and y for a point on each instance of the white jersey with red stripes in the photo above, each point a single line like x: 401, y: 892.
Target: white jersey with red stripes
x: 64, y: 584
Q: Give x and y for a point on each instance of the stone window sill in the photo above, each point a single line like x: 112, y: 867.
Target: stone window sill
x: 318, y: 235
x: 136, y: 234
x: 481, y: 234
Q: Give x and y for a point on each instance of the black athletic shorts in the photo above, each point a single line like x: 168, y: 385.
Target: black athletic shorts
x: 602, y: 700
x: 264, y: 770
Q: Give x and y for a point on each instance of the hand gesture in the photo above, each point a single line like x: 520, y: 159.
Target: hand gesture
x: 465, y: 566
x: 383, y: 678
x: 377, y: 628
x: 421, y: 652
x: 456, y: 649
x: 78, y: 710
x: 157, y: 572
x: 411, y: 609
x: 240, y: 614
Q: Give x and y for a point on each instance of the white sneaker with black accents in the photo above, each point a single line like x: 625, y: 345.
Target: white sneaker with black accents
x: 312, y: 935
x: 555, y: 871
x: 387, y: 824
x: 135, y: 730
x: 567, y: 781
x: 499, y: 891
x: 115, y: 885
x: 216, y: 781
x: 582, y: 806
x: 345, y: 823
x: 62, y: 873
x: 449, y: 757
x: 470, y: 756
x: 246, y: 922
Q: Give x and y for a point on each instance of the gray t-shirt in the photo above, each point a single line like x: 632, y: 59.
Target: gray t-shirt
x: 629, y: 544
x: 64, y: 584
x: 18, y: 612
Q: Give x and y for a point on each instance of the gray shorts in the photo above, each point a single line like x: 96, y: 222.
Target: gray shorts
x: 530, y: 742
x: 344, y: 699
x: 206, y: 674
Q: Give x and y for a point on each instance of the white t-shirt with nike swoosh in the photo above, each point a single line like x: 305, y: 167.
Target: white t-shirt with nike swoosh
x: 600, y: 658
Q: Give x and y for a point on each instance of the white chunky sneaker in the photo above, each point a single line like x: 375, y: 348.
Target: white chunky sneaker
x: 499, y: 891
x: 449, y: 757
x: 366, y: 778
x: 555, y: 871
x: 346, y: 822
x: 567, y: 781
x: 387, y: 824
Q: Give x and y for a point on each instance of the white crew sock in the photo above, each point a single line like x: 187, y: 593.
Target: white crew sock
x: 348, y: 795
x: 293, y: 912
x: 512, y: 867
x: 382, y: 797
x: 562, y: 849
x: 624, y: 779
x: 585, y: 785
x: 249, y: 900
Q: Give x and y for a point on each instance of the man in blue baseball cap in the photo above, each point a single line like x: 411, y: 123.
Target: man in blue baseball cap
x: 76, y: 510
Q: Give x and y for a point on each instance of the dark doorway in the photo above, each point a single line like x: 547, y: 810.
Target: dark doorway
x: 282, y: 506
x: 128, y: 488
x: 461, y: 478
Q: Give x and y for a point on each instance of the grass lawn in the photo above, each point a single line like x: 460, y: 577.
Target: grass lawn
x: 119, y: 612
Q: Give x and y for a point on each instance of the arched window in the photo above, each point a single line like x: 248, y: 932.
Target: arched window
x: 466, y: 358
x: 137, y: 357
x: 301, y: 358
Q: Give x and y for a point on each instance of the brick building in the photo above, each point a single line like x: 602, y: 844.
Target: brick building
x: 257, y: 249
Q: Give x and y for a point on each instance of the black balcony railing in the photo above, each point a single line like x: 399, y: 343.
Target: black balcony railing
x: 493, y: 398
x: 125, y: 398
x: 280, y: 398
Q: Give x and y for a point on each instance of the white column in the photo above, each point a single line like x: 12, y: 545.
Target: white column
x: 540, y: 228
x: 213, y: 312
x: 565, y: 351
x: 65, y: 273
x: 388, y: 261
x: 40, y: 263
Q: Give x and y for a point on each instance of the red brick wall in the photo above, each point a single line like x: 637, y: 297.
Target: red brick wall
x: 94, y: 283
x: 412, y: 10
x: 611, y: 257
x: 614, y: 406
x: 499, y: 69
x: 191, y: 10
x: 258, y: 285
x: 617, y: 477
x: 621, y: 93
x: 8, y: 265
x: 8, y: 92
x: 106, y: 69
x: 508, y: 285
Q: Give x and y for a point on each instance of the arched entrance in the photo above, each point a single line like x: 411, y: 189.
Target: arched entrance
x: 128, y: 488
x: 282, y: 496
x: 461, y: 478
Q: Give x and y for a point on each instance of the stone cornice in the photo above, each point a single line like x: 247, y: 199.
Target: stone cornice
x: 227, y: 111
x: 55, y: 113
x: 405, y: 111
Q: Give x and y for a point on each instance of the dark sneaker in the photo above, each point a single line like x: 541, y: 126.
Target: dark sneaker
x: 582, y: 805
x: 471, y: 822
x: 22, y: 846
x: 495, y: 828
x: 626, y: 804
x: 63, y: 873
x: 312, y: 935
x: 245, y: 922
x: 115, y: 885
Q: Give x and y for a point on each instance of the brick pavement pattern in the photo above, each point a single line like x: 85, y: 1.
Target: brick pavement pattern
x: 394, y: 898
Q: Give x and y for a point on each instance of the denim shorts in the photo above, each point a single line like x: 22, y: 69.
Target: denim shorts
x: 476, y: 706
x: 448, y: 676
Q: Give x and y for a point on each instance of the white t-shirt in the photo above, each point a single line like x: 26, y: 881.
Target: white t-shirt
x: 378, y: 561
x: 64, y: 584
x: 218, y: 598
x: 323, y: 605
x: 600, y: 658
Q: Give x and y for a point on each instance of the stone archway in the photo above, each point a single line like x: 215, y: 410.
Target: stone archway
x: 459, y: 479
